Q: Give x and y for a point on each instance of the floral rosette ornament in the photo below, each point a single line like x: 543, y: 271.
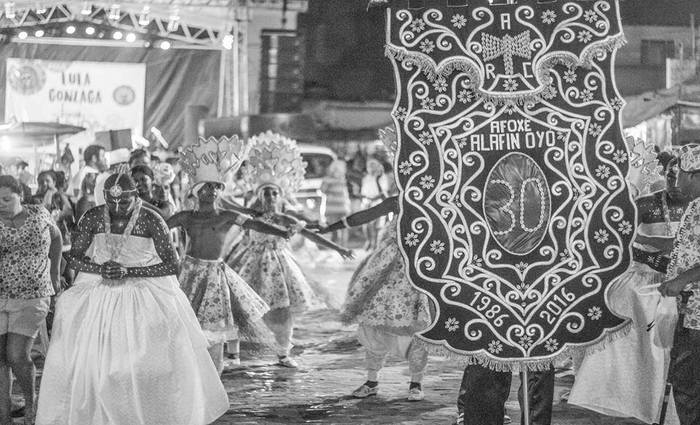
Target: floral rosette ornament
x: 644, y: 167
x: 274, y: 160
x: 516, y: 213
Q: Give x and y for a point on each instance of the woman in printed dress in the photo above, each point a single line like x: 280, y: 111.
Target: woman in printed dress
x: 30, y: 259
x: 127, y: 348
x: 384, y: 303
x: 266, y: 263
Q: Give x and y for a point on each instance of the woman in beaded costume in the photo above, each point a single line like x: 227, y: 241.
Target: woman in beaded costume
x: 632, y: 368
x: 226, y: 307
x: 126, y: 347
x: 381, y: 299
x: 274, y: 171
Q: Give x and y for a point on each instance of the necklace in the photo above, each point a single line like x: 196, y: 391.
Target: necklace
x: 115, y: 242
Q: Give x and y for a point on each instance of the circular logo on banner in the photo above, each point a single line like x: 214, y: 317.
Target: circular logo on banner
x: 124, y: 95
x: 517, y: 202
x: 27, y: 79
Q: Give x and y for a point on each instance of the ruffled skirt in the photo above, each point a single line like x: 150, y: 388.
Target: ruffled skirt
x: 128, y: 354
x: 627, y: 378
x: 226, y: 307
x: 274, y: 274
x: 380, y: 295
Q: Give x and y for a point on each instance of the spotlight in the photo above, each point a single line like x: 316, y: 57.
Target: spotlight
x: 131, y: 37
x: 173, y: 20
x: 114, y: 13
x: 40, y: 9
x: 10, y: 12
x: 89, y: 30
x: 143, y: 17
x: 86, y: 9
x: 165, y: 44
x: 39, y: 33
x: 70, y: 29
x: 22, y: 35
x: 227, y: 41
x: 117, y: 35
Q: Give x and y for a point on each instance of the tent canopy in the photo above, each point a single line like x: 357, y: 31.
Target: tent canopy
x: 648, y: 105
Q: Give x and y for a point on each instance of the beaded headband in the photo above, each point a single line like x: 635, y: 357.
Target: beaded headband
x: 116, y: 191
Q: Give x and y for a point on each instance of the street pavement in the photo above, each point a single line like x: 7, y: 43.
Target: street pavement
x: 331, y: 366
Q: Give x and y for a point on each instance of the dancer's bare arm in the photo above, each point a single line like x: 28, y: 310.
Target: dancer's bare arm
x: 299, y: 227
x: 55, y: 252
x: 256, y: 225
x: 231, y: 205
x: 344, y: 252
x: 178, y: 220
x: 389, y: 205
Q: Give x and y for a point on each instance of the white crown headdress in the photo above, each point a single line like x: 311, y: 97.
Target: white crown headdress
x: 690, y: 157
x: 274, y: 160
x: 209, y: 160
x: 644, y: 167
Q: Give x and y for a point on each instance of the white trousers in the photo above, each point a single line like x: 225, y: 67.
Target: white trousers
x: 281, y: 323
x: 379, y: 343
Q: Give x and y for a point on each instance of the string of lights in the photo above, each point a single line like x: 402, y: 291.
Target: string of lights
x: 113, y: 23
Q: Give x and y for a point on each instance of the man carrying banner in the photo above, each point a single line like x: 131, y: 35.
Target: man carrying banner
x: 515, y: 213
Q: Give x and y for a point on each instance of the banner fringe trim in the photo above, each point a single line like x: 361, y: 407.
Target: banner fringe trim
x: 514, y: 366
x: 462, y: 64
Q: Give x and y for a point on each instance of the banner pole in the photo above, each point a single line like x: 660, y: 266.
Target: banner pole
x: 526, y: 393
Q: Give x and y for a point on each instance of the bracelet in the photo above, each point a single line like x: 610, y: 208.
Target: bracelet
x: 344, y: 220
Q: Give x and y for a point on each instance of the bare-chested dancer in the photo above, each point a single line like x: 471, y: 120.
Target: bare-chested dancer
x: 226, y: 306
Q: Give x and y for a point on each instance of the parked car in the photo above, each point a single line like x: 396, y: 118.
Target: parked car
x: 312, y: 201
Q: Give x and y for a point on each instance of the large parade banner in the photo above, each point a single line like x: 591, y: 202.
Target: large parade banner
x: 515, y: 212
x: 96, y: 95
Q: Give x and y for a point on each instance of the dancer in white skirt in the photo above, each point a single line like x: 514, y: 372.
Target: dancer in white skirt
x: 127, y: 348
x: 627, y: 378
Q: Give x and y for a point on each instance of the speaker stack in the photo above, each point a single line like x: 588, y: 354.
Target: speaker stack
x: 281, y: 69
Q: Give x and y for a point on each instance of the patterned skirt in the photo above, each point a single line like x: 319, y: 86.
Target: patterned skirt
x: 380, y: 295
x: 271, y: 270
x: 226, y: 307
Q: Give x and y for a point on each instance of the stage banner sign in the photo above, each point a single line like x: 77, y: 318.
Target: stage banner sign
x: 96, y: 95
x: 515, y: 211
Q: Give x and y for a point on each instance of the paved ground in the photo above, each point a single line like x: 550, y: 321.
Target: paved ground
x: 331, y: 367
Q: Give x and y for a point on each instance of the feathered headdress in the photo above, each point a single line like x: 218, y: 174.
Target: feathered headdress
x: 274, y: 160
x: 644, y: 168
x: 209, y: 160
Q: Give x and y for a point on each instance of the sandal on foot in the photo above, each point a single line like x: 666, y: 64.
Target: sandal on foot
x: 364, y: 391
x: 287, y: 361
